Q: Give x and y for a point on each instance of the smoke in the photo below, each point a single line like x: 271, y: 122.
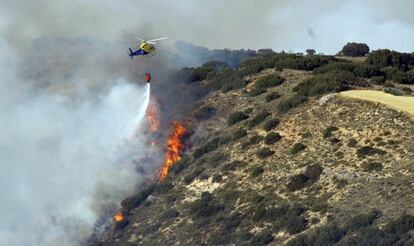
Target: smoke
x: 72, y: 104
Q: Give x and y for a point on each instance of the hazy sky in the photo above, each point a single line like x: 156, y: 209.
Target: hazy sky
x: 324, y: 25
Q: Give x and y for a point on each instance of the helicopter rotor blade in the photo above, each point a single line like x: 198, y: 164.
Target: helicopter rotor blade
x: 140, y: 39
x: 157, y: 39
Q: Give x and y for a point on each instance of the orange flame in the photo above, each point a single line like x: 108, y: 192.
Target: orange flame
x: 152, y: 114
x: 119, y: 217
x: 174, y: 148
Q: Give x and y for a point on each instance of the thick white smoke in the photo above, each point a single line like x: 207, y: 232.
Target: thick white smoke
x: 64, y: 162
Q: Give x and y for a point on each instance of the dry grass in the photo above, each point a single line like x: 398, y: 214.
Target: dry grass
x: 402, y: 103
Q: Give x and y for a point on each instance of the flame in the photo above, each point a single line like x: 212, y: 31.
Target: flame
x: 152, y: 114
x: 174, y: 148
x: 118, y: 217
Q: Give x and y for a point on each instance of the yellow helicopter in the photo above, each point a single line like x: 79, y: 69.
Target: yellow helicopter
x: 146, y: 47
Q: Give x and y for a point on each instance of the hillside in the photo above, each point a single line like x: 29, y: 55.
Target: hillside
x: 276, y: 156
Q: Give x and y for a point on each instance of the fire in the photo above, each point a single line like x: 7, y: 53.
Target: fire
x: 152, y: 114
x: 119, y: 217
x: 174, y: 148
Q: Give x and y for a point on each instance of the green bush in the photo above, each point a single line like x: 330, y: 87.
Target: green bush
x: 256, y: 171
x: 258, y: 118
x: 239, y: 133
x: 180, y: 165
x: 297, y: 182
x: 326, y: 235
x: 217, y: 158
x: 169, y: 214
x: 272, y: 138
x: 352, y: 143
x: 290, y: 103
x: 362, y: 220
x: 263, y: 238
x: 371, y: 166
x: 268, y: 81
x: 236, y: 117
x: 401, y: 225
x: 136, y: 200
x: 254, y: 92
x: 368, y: 150
x: 272, y: 96
x: 304, y: 62
x: 313, y: 172
x: 393, y: 91
x: 255, y: 139
x: 206, y: 206
x: 295, y: 224
x: 205, y: 112
x: 328, y: 131
x: 210, y: 146
x: 270, y: 124
x: 334, y: 81
x: 384, y: 57
x: 234, y: 165
x: 264, y: 153
x: 297, y: 147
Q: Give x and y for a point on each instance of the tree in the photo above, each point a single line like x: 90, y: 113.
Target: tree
x: 355, y: 49
x: 310, y: 52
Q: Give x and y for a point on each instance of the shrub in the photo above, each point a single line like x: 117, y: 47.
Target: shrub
x: 326, y: 235
x: 251, y: 69
x: 257, y: 119
x: 217, y: 158
x: 397, y: 75
x: 303, y: 63
x: 295, y: 224
x: 393, y: 91
x: 365, y: 71
x: 206, y: 206
x: 254, y: 92
x: 272, y: 96
x: 384, y: 57
x: 297, y: 147
x: 270, y: 124
x: 236, y: 117
x: 239, y: 133
x: 334, y: 81
x: 205, y: 112
x: 234, y: 165
x: 138, y: 199
x: 256, y: 171
x: 371, y: 166
x: 352, y: 143
x: 378, y: 80
x: 263, y: 238
x: 180, y: 165
x: 255, y: 139
x: 362, y: 220
x: 264, y: 153
x: 269, y: 81
x: 328, y: 131
x: 401, y: 225
x: 368, y: 150
x: 297, y: 182
x: 290, y: 103
x: 210, y: 146
x: 355, y: 49
x: 313, y: 172
x: 169, y: 214
x: 272, y: 138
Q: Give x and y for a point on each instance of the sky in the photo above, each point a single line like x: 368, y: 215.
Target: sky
x: 72, y: 107
x: 324, y: 25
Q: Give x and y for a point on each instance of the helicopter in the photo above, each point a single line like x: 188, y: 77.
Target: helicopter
x: 146, y: 47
